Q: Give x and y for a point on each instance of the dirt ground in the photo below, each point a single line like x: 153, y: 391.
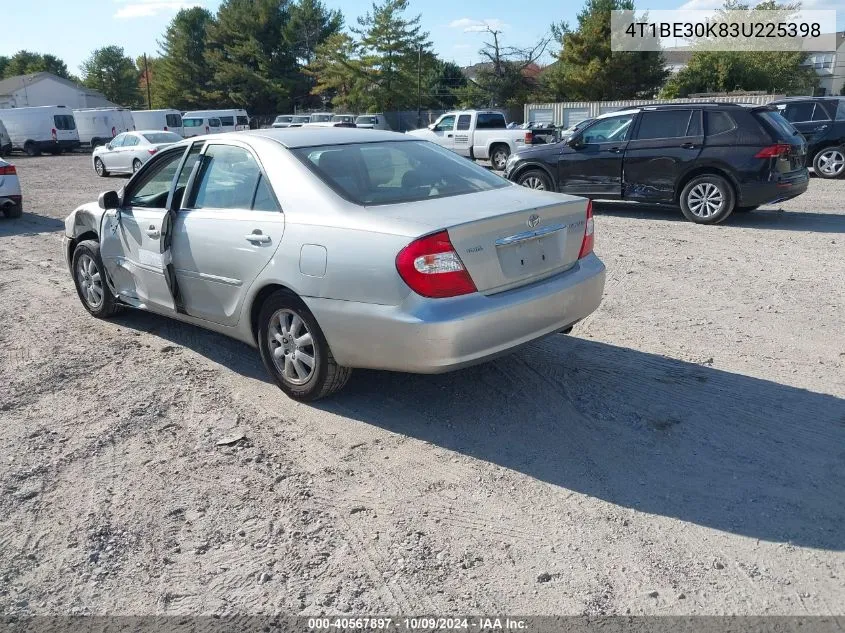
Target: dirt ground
x: 683, y: 451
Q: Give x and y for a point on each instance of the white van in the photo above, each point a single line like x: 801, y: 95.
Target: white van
x: 41, y: 129
x: 98, y: 126
x: 199, y: 125
x: 167, y: 120
x: 230, y: 120
x: 5, y: 141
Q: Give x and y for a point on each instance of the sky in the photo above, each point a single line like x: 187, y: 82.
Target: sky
x: 72, y: 29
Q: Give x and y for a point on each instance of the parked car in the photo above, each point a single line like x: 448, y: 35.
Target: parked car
x: 822, y: 122
x: 710, y: 159
x: 372, y: 122
x: 319, y: 119
x: 283, y: 120
x: 11, y: 201
x: 127, y: 152
x: 167, y: 120
x: 5, y: 141
x: 199, y: 126
x: 230, y: 120
x: 299, y: 120
x: 98, y: 126
x: 41, y: 129
x: 415, y: 245
x: 476, y: 134
x: 343, y: 120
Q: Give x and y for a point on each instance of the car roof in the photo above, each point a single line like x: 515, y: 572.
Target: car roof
x: 300, y: 137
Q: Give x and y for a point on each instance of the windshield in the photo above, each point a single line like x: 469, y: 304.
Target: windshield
x: 396, y: 171
x: 321, y: 118
x: 284, y: 119
x: 162, y: 137
x: 342, y: 118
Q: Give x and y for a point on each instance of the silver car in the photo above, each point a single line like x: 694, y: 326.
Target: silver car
x: 334, y: 248
x: 128, y: 151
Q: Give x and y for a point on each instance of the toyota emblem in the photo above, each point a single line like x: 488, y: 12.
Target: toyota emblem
x: 533, y: 220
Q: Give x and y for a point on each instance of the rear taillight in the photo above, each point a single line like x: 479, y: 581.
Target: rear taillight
x: 8, y: 170
x: 54, y: 134
x: 529, y: 138
x: 152, y: 150
x: 432, y: 268
x: 773, y: 151
x: 589, y: 238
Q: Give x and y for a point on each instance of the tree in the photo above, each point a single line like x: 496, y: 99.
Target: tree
x: 183, y: 76
x: 505, y: 79
x: 310, y: 24
x: 114, y: 74
x: 253, y: 66
x: 153, y: 73
x: 586, y: 70
x: 441, y: 84
x: 339, y: 74
x: 26, y: 62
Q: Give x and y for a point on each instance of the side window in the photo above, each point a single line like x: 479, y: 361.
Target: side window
x: 117, y: 141
x: 447, y: 123
x: 490, y: 121
x: 130, y: 141
x: 695, y: 126
x: 153, y: 189
x: 607, y: 130
x: 214, y: 122
x: 463, y: 122
x: 799, y: 111
x: 229, y: 179
x: 820, y: 113
x: 187, y: 168
x: 664, y: 124
x: 719, y: 123
x: 227, y: 120
x: 264, y: 200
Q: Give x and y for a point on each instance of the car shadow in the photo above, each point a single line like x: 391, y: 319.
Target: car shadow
x: 773, y: 219
x: 29, y: 224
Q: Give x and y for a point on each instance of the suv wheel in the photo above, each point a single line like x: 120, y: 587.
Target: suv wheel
x: 830, y: 162
x: 535, y: 179
x: 707, y: 199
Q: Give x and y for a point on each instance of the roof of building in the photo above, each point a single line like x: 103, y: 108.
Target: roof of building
x: 10, y: 84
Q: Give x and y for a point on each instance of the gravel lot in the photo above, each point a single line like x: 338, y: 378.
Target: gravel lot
x: 682, y: 452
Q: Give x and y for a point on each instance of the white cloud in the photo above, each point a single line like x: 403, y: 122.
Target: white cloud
x: 469, y: 25
x: 702, y: 5
x: 148, y: 8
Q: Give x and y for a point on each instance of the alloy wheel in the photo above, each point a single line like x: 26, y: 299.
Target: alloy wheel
x: 534, y: 182
x: 292, y: 347
x: 705, y: 200
x: 89, y: 280
x: 831, y: 162
x: 99, y: 167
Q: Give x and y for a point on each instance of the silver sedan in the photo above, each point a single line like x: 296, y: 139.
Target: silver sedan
x: 329, y: 249
x: 127, y: 152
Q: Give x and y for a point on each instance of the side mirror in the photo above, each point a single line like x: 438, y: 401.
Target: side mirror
x: 109, y: 200
x: 108, y: 146
x: 575, y: 141
x: 431, y: 126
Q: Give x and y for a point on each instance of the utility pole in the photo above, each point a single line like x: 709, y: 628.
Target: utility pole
x: 419, y: 86
x: 147, y: 81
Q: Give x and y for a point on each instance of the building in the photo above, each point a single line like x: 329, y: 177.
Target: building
x: 40, y: 89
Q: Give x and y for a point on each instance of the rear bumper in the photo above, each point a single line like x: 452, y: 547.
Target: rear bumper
x: 438, y: 335
x: 774, y: 191
x: 5, y: 149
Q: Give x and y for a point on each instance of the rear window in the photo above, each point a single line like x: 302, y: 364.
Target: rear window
x: 396, y: 171
x: 301, y: 119
x: 214, y: 122
x: 284, y: 119
x: 173, y: 120
x: 719, y: 123
x: 192, y: 122
x: 242, y: 120
x: 776, y: 122
x: 490, y: 121
x: 64, y: 122
x: 227, y: 120
x: 162, y: 137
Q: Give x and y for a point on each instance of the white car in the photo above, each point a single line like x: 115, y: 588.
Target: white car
x: 11, y: 201
x: 319, y: 119
x: 372, y: 122
x: 127, y: 152
x: 283, y: 120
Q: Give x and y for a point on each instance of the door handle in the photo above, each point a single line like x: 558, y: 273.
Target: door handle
x: 153, y: 232
x: 688, y: 145
x: 258, y: 237
x: 448, y: 136
x: 615, y: 150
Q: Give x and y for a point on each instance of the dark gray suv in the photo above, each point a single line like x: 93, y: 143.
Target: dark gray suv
x: 822, y: 122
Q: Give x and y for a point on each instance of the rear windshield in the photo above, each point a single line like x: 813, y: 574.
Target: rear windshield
x: 64, y: 122
x: 162, y: 137
x: 490, y: 121
x: 396, y: 171
x: 367, y: 120
x: 780, y: 125
x: 192, y: 122
x: 242, y: 120
x: 227, y: 120
x: 173, y: 120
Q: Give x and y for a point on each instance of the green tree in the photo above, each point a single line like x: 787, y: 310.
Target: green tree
x: 441, y: 84
x: 253, y: 66
x: 586, y: 70
x: 310, y: 24
x: 114, y: 74
x: 505, y: 79
x: 26, y: 62
x: 339, y: 74
x: 184, y: 78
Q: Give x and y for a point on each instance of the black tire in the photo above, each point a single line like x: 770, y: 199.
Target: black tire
x: 535, y: 179
x: 136, y: 165
x: 325, y: 376
x: 746, y: 209
x: 701, y: 194
x: 13, y: 212
x: 499, y: 156
x: 31, y: 149
x: 100, y: 168
x: 830, y: 162
x: 107, y: 306
x: 56, y: 151
x: 96, y: 142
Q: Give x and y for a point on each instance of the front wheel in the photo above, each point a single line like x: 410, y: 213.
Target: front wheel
x: 830, y: 162
x: 707, y: 199
x: 90, y: 279
x: 100, y: 168
x: 535, y: 179
x: 136, y: 165
x: 499, y: 157
x: 295, y: 351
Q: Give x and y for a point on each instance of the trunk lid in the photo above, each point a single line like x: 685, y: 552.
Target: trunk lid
x: 505, y: 237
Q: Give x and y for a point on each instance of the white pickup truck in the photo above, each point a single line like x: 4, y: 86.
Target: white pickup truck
x: 477, y: 134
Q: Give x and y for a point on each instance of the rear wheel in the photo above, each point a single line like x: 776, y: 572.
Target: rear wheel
x: 100, y: 168
x: 13, y: 211
x: 707, y: 199
x: 499, y: 156
x: 535, y: 179
x: 90, y: 280
x: 31, y: 149
x: 136, y: 165
x: 295, y: 351
x: 830, y: 162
